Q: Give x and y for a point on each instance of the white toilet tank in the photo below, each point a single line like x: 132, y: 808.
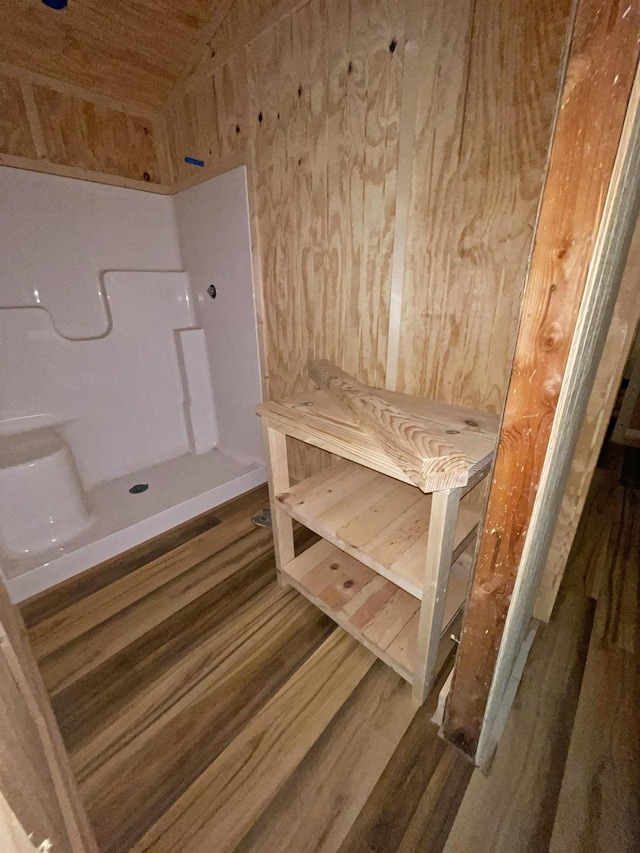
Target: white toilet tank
x: 42, y: 501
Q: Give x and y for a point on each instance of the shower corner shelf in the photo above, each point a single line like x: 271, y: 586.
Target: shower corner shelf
x: 393, y: 562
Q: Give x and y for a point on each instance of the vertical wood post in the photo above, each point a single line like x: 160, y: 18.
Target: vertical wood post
x: 602, y: 65
x: 442, y: 529
x: 275, y: 443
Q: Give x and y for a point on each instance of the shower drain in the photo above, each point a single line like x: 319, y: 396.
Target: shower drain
x: 139, y: 488
x: 262, y: 518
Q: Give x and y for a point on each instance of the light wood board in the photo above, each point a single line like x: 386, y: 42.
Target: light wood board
x: 379, y: 521
x: 383, y: 617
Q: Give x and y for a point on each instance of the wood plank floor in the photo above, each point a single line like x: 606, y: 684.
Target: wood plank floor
x: 566, y: 776
x: 207, y: 709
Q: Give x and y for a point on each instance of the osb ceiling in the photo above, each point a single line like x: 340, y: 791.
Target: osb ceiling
x: 131, y: 50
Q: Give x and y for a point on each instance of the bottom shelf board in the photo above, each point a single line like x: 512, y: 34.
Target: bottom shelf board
x: 375, y: 611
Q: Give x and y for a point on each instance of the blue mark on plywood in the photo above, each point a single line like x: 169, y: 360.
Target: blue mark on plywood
x: 193, y: 162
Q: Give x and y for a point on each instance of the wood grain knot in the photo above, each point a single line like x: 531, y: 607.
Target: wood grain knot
x: 551, y: 391
x: 552, y: 337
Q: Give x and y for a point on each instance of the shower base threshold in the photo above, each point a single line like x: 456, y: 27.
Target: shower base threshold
x: 178, y: 489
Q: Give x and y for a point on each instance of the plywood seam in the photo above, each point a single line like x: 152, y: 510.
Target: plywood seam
x: 133, y: 108
x: 207, y: 67
x: 33, y: 118
x: 205, y: 35
x: 406, y: 153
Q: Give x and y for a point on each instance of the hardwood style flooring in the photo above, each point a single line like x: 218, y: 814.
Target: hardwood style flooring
x: 207, y: 709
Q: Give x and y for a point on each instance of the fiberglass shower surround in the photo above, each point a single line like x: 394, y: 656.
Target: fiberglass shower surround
x: 118, y: 370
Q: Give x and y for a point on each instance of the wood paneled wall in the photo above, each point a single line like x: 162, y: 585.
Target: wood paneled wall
x: 395, y: 151
x: 54, y: 127
x: 314, y: 105
x: 208, y: 122
x: 488, y: 87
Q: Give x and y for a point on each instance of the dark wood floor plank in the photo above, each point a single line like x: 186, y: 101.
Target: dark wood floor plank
x: 72, y: 662
x: 320, y: 801
x: 436, y: 811
x: 513, y: 808
x: 82, y: 616
x: 590, y: 548
x: 599, y: 803
x: 599, y: 806
x: 91, y: 702
x: 214, y: 710
x: 217, y: 811
x: 192, y: 714
x: 617, y: 617
x: 387, y: 813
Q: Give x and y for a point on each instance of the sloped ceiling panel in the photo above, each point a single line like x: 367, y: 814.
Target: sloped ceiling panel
x: 131, y: 50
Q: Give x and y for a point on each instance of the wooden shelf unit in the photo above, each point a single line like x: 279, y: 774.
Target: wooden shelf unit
x: 375, y: 611
x: 393, y: 565
x: 381, y: 522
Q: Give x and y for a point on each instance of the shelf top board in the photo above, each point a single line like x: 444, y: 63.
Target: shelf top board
x: 313, y: 417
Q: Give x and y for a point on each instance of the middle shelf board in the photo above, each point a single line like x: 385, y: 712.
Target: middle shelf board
x: 375, y: 611
x: 380, y: 521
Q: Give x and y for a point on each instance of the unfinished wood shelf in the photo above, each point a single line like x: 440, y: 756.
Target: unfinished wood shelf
x: 393, y: 565
x: 375, y: 611
x: 381, y: 522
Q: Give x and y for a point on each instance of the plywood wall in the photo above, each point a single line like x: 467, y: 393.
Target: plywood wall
x: 315, y: 106
x: 396, y: 151
x: 208, y: 122
x: 53, y: 127
x: 483, y: 126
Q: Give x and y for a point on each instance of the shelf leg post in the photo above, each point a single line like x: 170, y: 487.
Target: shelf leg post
x: 442, y: 527
x: 275, y: 443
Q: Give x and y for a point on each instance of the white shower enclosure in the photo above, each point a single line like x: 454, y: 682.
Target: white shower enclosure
x: 129, y: 369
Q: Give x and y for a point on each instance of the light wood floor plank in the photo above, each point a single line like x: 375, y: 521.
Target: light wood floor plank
x: 512, y: 808
x: 66, y: 665
x: 322, y: 798
x: 220, y: 807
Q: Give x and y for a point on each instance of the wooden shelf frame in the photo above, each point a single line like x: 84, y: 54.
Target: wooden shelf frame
x: 375, y: 611
x: 396, y: 564
x: 381, y: 522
